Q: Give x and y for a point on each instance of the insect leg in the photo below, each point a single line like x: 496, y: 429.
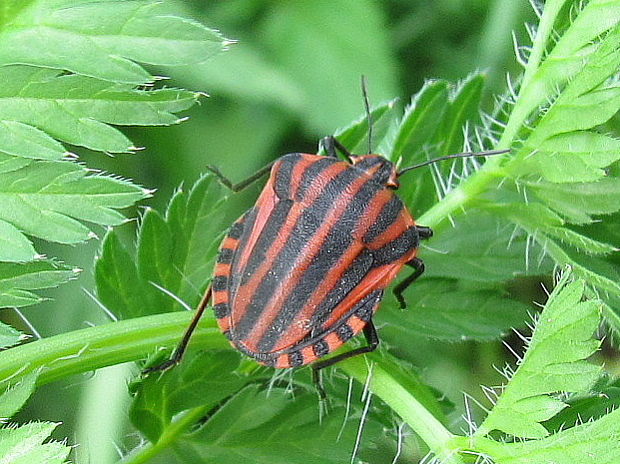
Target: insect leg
x: 182, y: 346
x: 418, y: 265
x: 372, y: 338
x: 424, y: 232
x: 244, y: 183
x: 330, y: 145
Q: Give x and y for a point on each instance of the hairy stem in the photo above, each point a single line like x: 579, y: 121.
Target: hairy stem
x: 406, y: 405
x: 95, y: 347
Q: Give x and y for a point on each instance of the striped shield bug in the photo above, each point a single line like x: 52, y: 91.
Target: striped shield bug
x: 304, y: 270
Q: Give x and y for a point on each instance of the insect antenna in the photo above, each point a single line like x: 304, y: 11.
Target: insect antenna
x: 467, y: 154
x: 368, y: 115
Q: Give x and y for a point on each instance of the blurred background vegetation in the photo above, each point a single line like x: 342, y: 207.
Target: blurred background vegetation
x: 291, y: 78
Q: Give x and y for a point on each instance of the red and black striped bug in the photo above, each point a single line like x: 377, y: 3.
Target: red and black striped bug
x: 304, y: 270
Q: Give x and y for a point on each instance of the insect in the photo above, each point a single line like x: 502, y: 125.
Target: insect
x: 304, y: 270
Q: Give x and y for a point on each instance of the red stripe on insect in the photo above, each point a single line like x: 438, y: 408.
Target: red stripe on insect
x: 312, y: 248
x: 332, y: 278
x: 245, y: 292
x: 403, y: 222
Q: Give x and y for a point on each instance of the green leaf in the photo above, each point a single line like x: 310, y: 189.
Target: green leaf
x: 119, y: 288
x: 49, y: 199
x: 19, y: 139
x: 78, y: 109
x: 482, y: 247
x: 439, y: 309
x: 590, y: 443
x: 565, y: 60
x: 16, y: 393
x: 579, y: 201
x: 175, y: 252
x: 354, y: 137
x: 578, y: 156
x: 604, y: 397
x: 202, y: 381
x: 12, y: 163
x: 18, y: 279
x: 433, y: 126
x: 419, y: 123
x: 24, y: 445
x: 103, y: 39
x: 273, y: 428
x: 464, y: 109
x: 554, y: 362
x: 10, y: 336
x: 587, y: 101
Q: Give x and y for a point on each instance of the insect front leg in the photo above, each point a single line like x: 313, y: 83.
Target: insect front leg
x: 330, y: 145
x: 244, y: 183
x: 418, y: 265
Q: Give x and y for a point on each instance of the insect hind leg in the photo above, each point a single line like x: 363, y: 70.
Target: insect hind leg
x: 372, y: 338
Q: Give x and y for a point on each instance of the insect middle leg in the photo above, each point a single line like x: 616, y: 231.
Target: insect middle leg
x: 418, y: 265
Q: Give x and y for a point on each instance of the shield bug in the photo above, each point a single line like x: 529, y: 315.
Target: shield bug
x: 304, y: 270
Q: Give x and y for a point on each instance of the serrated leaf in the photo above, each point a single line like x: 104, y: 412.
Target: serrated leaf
x: 442, y: 124
x: 15, y: 393
x: 12, y: 163
x: 19, y: 139
x: 590, y: 443
x: 104, y: 39
x: 201, y: 381
x: 273, y: 428
x: 14, y: 246
x: 586, y: 102
x: 354, y: 137
x: 554, y: 362
x: 24, y: 445
x: 175, y: 252
x: 578, y: 156
x: 18, y: 279
x: 79, y: 110
x: 482, y: 247
x: 438, y: 309
x: 50, y: 199
x: 10, y: 336
x: 579, y: 201
x: 604, y: 397
x: 464, y: 109
x: 419, y: 123
x: 566, y: 60
x: 119, y: 288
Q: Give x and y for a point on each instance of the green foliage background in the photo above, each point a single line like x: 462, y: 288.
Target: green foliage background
x: 292, y: 78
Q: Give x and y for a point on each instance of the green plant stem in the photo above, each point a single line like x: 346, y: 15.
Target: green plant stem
x: 524, y: 106
x: 482, y: 180
x: 178, y: 426
x: 465, y: 193
x: 95, y: 347
x: 426, y: 425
